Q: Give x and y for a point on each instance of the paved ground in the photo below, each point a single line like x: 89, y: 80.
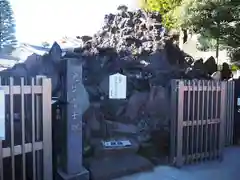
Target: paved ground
x: 229, y: 169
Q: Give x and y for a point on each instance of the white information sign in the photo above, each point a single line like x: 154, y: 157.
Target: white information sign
x: 2, y: 114
x: 117, y: 86
x: 238, y: 101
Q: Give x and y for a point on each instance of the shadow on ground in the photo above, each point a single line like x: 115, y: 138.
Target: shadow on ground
x: 228, y: 169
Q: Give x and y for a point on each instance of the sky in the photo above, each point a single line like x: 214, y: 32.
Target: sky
x: 47, y: 20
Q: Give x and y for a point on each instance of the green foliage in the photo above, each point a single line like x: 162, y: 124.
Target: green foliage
x: 7, y: 28
x: 203, y: 15
x: 167, y: 8
x: 219, y: 19
x: 206, y: 43
x: 234, y: 67
x: 234, y: 54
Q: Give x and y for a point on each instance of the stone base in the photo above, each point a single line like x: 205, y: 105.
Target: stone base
x: 84, y: 175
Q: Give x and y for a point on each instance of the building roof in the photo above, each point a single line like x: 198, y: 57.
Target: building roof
x: 24, y: 50
x: 7, y: 61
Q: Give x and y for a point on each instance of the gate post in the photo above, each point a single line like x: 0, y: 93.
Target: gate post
x: 173, y: 116
x: 236, y: 107
x: 222, y: 118
x: 47, y: 129
x: 176, y: 137
x: 179, y: 157
x: 75, y: 103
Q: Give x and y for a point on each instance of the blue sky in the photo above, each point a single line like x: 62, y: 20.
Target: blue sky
x: 41, y: 20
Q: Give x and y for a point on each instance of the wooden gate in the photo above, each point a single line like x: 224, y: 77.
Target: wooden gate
x: 198, y: 121
x: 26, y: 150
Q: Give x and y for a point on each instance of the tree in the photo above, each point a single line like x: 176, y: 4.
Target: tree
x: 167, y: 8
x: 206, y: 42
x: 7, y: 28
x: 219, y: 19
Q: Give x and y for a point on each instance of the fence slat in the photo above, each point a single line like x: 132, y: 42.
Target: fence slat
x: 7, y: 152
x: 33, y: 130
x: 198, y: 118
x: 202, y: 125
x: 216, y: 133
x: 201, y: 88
x: 192, y: 125
x: 180, y: 124
x: 1, y: 151
x: 27, y: 89
x: 38, y: 128
x: 12, y: 126
x: 207, y: 113
x: 205, y: 122
x: 211, y: 125
x: 23, y: 130
x: 188, y: 119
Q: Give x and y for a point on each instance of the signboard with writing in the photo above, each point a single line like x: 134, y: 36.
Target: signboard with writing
x: 2, y: 115
x: 117, y: 86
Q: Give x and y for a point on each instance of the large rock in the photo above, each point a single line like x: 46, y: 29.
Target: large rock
x: 136, y: 104
x: 136, y: 45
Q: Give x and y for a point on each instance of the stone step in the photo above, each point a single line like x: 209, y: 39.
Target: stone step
x: 115, y: 167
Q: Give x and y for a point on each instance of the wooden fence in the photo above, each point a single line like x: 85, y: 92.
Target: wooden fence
x: 202, y: 120
x: 26, y: 150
